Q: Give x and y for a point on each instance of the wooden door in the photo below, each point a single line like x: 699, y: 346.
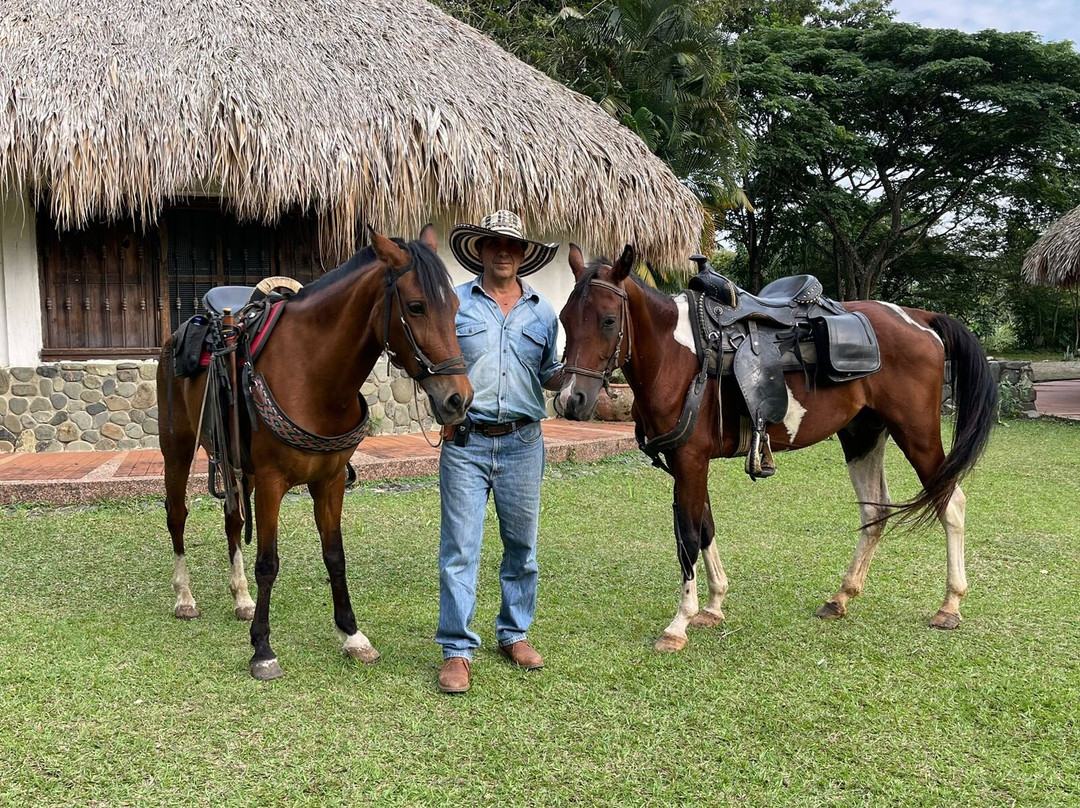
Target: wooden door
x: 100, y: 288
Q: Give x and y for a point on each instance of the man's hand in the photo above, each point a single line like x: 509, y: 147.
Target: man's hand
x: 556, y: 380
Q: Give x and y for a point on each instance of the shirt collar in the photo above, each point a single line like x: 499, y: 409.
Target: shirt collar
x: 527, y: 291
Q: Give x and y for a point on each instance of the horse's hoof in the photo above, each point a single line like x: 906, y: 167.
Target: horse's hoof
x: 945, y: 620
x: 266, y: 670
x: 186, y: 612
x: 707, y: 619
x: 244, y: 614
x: 670, y: 644
x: 364, y: 653
x: 830, y: 610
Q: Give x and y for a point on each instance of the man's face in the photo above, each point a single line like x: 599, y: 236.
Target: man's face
x: 501, y: 257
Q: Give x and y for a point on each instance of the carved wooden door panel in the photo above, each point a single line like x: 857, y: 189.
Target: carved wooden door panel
x: 100, y: 289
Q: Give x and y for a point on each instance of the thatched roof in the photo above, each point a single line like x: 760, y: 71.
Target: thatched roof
x: 1054, y: 260
x: 380, y: 111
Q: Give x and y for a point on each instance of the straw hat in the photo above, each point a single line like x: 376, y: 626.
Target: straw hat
x: 465, y: 243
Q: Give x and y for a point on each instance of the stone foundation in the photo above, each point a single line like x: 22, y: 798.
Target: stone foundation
x: 102, y: 406
x: 1018, y: 374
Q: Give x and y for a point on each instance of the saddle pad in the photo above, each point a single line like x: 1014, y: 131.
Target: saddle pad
x: 847, y: 346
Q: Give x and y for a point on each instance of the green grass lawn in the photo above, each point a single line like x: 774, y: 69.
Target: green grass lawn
x: 107, y: 700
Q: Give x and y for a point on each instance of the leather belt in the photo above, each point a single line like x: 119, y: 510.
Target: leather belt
x: 498, y: 430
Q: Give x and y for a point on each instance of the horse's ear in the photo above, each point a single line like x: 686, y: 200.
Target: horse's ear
x: 577, y: 261
x: 622, y: 268
x: 428, y: 237
x: 387, y: 251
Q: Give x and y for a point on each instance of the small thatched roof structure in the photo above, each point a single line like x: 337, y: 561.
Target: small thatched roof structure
x: 380, y: 111
x: 1054, y: 260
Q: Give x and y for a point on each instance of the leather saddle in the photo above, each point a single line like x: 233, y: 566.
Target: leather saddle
x: 790, y: 325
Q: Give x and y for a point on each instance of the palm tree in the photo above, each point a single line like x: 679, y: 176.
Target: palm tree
x: 659, y: 68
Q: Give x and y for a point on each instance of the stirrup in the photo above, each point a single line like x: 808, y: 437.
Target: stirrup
x: 759, y: 460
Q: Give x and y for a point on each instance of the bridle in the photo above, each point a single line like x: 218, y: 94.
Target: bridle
x: 455, y: 366
x: 625, y: 328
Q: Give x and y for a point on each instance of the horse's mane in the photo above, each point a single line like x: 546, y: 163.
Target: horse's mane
x: 430, y: 271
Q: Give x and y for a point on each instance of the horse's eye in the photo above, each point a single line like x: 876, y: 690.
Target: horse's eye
x: 609, y: 321
x: 415, y: 307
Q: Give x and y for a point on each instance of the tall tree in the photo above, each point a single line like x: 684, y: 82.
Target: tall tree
x: 870, y: 140
x: 664, y: 72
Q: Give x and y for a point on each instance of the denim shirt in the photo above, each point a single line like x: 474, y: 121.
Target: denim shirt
x: 509, y: 358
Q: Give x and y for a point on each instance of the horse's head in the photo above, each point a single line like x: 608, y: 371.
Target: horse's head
x: 598, y: 330
x: 418, y: 322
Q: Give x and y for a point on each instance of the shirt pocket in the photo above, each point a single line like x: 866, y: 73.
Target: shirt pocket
x: 472, y: 336
x: 529, y: 347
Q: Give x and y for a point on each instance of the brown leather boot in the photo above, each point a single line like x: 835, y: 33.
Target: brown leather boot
x: 454, y: 675
x: 523, y: 655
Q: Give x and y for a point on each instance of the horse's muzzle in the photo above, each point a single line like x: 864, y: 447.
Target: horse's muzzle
x: 577, y: 404
x: 449, y: 397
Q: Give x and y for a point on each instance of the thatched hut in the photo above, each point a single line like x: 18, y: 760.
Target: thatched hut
x: 150, y: 150
x: 1054, y: 260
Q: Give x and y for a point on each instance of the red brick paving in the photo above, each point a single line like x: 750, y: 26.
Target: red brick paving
x: 1061, y: 398
x: 76, y: 477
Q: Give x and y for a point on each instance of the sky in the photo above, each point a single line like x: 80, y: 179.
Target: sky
x: 1053, y: 20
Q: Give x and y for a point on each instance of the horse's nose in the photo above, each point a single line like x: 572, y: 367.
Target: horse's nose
x: 455, y: 401
x: 575, y: 404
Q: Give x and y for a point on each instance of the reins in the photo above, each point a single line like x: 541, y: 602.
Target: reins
x: 455, y: 366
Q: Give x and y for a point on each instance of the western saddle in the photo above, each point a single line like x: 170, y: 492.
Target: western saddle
x: 790, y: 325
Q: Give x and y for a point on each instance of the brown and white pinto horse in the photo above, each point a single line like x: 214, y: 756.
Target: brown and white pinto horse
x: 392, y: 296
x: 611, y: 318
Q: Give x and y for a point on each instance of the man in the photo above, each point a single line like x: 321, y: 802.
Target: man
x: 507, y: 334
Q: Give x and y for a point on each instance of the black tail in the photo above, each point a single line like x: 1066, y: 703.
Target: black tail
x: 975, y: 394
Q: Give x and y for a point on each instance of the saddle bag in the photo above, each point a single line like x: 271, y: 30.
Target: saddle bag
x: 188, y: 344
x: 847, y: 347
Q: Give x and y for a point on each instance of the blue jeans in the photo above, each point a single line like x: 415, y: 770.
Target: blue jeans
x: 510, y: 467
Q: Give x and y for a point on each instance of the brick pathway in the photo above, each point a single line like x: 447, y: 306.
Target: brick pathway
x: 1061, y: 398
x: 69, y: 478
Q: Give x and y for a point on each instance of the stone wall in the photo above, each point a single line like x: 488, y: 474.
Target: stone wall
x: 88, y: 406
x: 78, y: 406
x: 1017, y: 374
x: 100, y: 406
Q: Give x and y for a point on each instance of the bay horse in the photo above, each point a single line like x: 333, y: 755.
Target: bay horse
x: 612, y: 319
x: 390, y: 296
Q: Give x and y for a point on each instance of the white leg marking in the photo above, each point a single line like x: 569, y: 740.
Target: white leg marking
x: 684, y: 332
x: 795, y: 413
x: 718, y: 582
x: 868, y: 478
x: 953, y: 522
x: 688, y: 607
x: 358, y: 646
x: 243, y: 605
x: 181, y: 584
x: 907, y: 319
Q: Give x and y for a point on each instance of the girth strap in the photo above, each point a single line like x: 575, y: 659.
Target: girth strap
x: 670, y: 441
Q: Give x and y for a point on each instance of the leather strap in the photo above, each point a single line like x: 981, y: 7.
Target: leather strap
x: 291, y: 433
x: 498, y: 430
